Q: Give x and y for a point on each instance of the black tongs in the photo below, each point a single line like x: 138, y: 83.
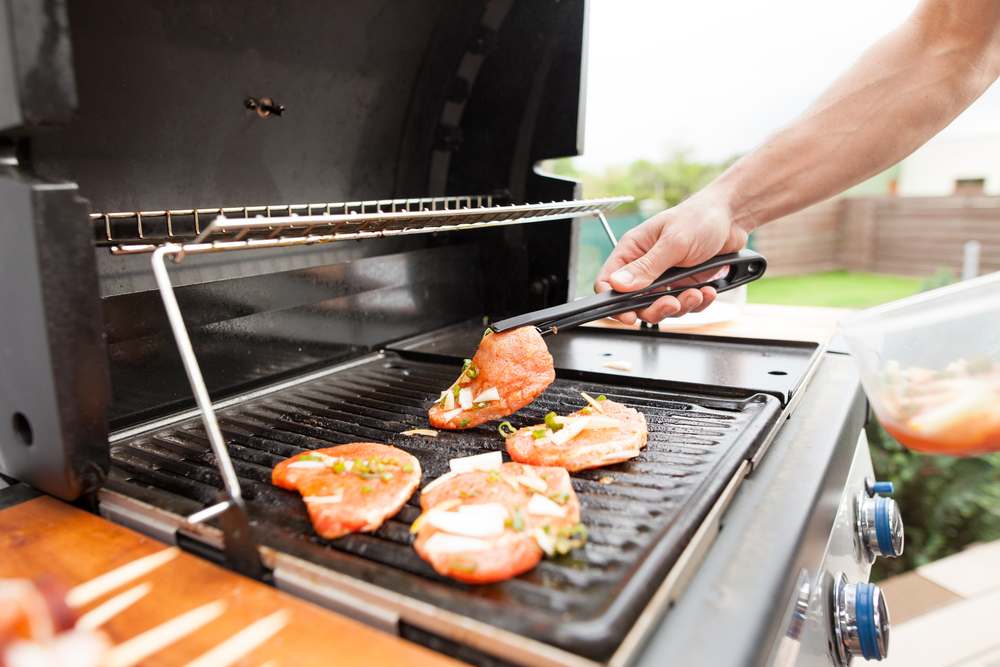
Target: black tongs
x: 744, y: 266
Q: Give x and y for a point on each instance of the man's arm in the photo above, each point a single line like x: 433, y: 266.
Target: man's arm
x: 901, y: 92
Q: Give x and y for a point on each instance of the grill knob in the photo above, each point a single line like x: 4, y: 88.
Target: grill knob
x: 860, y: 621
x: 880, y: 526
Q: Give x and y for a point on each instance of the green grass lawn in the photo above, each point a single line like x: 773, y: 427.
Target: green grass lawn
x: 837, y: 289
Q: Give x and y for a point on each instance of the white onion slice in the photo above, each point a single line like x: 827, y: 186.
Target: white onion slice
x: 488, y: 510
x: 532, y: 482
x: 348, y: 465
x: 539, y: 505
x: 443, y: 543
x: 484, y: 462
x: 597, y: 423
x: 595, y: 404
x: 467, y: 524
x: 545, y: 541
x: 490, y: 394
x: 421, y: 431
x: 619, y: 365
x: 465, y: 398
x: 324, y: 500
x: 440, y: 480
x: 451, y: 414
x: 307, y: 464
x: 570, y: 431
x: 449, y: 401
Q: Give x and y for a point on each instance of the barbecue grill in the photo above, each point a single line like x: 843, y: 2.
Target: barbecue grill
x: 183, y: 321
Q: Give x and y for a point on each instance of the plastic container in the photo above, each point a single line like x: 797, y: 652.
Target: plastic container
x: 930, y: 365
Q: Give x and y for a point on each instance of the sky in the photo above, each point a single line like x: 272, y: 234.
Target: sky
x: 716, y: 77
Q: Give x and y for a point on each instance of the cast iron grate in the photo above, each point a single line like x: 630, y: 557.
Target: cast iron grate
x: 639, y: 514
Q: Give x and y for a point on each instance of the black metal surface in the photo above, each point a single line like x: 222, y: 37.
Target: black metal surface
x: 713, y: 365
x: 54, y: 386
x: 744, y: 266
x: 36, y: 64
x: 638, y: 521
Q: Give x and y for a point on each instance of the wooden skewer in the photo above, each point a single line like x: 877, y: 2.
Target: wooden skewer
x: 140, y: 647
x: 103, y: 613
x: 89, y: 591
x: 243, y: 642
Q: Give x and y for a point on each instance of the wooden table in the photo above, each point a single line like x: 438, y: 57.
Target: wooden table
x: 44, y: 537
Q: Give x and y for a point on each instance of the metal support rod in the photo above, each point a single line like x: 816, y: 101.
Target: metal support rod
x: 229, y: 479
x: 607, y: 229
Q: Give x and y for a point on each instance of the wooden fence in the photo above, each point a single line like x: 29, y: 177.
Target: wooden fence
x: 904, y: 236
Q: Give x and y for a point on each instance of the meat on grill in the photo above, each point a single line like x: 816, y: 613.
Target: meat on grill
x: 508, y: 371
x: 600, y: 439
x: 485, y: 526
x: 350, y: 488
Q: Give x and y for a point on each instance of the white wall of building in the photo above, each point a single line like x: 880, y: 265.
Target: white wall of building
x: 933, y: 169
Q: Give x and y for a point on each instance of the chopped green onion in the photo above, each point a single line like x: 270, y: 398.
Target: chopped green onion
x: 550, y: 421
x: 479, y: 406
x: 387, y: 477
x: 408, y: 468
x: 539, y: 433
x: 602, y: 398
x: 455, y: 390
x: 465, y: 364
x: 518, y: 522
x: 510, y: 430
x: 463, y: 564
x: 366, y: 489
x: 339, y: 466
x: 494, y: 476
x: 310, y: 457
x: 464, y: 423
x: 559, y: 498
x: 394, y: 462
x: 472, y: 372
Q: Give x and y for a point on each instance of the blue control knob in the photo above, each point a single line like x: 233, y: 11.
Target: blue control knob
x: 884, y: 488
x: 861, y: 620
x: 880, y: 526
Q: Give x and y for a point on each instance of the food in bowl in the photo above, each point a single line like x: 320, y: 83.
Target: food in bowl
x: 955, y: 410
x: 930, y: 365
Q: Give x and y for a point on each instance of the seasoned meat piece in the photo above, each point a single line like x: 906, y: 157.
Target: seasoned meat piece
x: 586, y: 439
x: 508, y: 371
x: 485, y: 526
x: 350, y: 488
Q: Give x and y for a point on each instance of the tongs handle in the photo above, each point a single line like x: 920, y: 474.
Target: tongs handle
x: 744, y: 266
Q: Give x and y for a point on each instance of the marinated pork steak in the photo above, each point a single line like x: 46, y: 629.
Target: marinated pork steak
x: 483, y: 526
x: 350, y: 488
x: 598, y: 435
x: 509, y: 371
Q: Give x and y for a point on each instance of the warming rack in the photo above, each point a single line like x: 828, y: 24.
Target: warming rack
x: 303, y: 224
x: 257, y: 227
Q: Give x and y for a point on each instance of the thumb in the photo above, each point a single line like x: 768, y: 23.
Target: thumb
x: 640, y: 273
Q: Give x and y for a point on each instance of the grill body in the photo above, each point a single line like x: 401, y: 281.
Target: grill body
x: 139, y: 108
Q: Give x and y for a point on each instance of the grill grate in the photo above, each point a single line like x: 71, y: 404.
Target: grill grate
x: 213, y: 229
x: 638, y: 518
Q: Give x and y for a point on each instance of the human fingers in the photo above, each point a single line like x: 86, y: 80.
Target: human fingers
x: 708, y: 295
x: 674, y: 305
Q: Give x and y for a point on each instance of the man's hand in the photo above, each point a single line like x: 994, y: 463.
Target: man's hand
x: 693, y: 232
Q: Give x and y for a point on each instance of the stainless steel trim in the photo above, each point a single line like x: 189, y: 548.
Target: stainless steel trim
x: 343, y: 603
x: 680, y: 575
x: 792, y: 404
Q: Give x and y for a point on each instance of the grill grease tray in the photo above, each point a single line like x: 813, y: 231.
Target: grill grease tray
x: 640, y: 514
